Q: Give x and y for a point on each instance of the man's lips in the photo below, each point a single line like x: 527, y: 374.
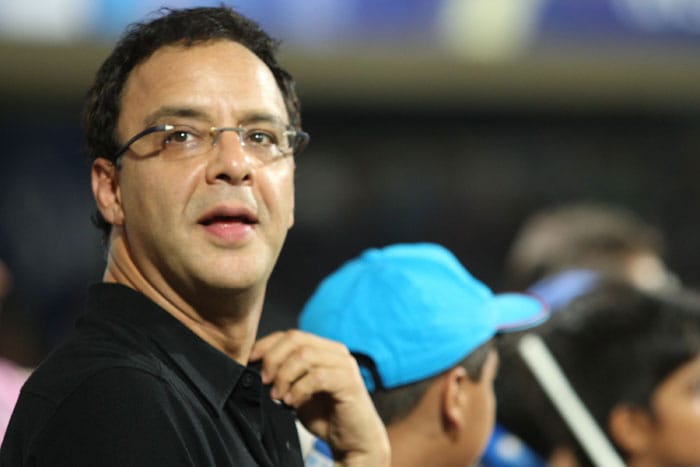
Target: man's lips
x: 231, y: 225
x: 228, y: 216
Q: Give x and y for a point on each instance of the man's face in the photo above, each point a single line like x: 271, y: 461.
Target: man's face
x: 216, y: 221
x: 676, y: 422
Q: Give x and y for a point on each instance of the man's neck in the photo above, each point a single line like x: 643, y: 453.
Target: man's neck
x: 410, y: 449
x: 227, y: 320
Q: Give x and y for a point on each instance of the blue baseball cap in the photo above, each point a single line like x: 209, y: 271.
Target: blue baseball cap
x: 412, y: 311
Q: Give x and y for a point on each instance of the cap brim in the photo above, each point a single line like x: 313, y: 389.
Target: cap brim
x: 519, y: 311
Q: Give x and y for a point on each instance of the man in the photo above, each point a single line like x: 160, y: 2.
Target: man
x: 192, y: 127
x: 421, y: 328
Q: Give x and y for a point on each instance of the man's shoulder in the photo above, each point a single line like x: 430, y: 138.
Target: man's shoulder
x: 88, y: 406
x: 75, y: 379
x: 88, y: 361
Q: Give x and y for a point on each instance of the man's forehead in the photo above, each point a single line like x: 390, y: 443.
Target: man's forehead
x: 217, y: 76
x: 219, y: 56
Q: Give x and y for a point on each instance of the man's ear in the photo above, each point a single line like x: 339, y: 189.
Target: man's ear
x: 105, y: 188
x: 455, y: 398
x: 631, y: 428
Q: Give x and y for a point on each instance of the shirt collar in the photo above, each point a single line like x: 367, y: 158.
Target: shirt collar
x: 213, y: 373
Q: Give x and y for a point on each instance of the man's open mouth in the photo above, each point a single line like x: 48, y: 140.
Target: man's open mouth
x: 224, y: 219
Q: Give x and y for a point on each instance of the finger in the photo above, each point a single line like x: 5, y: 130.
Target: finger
x: 307, y: 357
x: 261, y: 346
x: 295, y: 366
x: 281, y: 349
x: 339, y: 377
x: 327, y: 399
x: 274, y: 350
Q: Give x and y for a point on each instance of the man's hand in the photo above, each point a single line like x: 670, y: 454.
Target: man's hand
x: 321, y: 380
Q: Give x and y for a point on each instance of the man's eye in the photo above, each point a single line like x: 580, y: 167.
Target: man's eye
x: 261, y: 138
x: 179, y: 136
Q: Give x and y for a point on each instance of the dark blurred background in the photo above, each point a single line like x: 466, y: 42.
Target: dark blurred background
x: 449, y: 121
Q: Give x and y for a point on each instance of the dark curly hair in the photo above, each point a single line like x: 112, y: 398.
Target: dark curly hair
x: 187, y: 27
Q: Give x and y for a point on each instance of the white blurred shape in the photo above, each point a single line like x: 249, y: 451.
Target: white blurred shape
x: 48, y: 20
x: 489, y: 30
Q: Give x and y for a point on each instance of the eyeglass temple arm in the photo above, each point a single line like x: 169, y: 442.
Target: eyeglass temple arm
x: 120, y: 152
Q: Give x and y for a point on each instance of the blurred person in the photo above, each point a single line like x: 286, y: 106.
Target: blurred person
x: 560, y: 253
x: 605, y: 238
x: 192, y: 127
x: 633, y: 358
x: 505, y: 447
x: 422, y: 330
x: 12, y: 376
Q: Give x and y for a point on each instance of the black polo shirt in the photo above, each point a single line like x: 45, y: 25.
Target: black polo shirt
x: 132, y: 386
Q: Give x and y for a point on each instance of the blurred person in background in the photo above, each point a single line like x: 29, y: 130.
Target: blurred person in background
x: 608, y: 239
x: 562, y: 252
x: 192, y: 127
x: 12, y: 376
x: 422, y: 329
x: 633, y: 358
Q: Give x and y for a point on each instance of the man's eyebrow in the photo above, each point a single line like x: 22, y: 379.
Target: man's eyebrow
x: 256, y: 117
x: 183, y: 112
x: 199, y: 114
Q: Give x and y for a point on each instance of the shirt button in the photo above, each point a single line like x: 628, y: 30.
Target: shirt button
x: 247, y: 380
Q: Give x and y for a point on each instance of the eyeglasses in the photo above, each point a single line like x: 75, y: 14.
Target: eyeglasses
x: 265, y: 141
